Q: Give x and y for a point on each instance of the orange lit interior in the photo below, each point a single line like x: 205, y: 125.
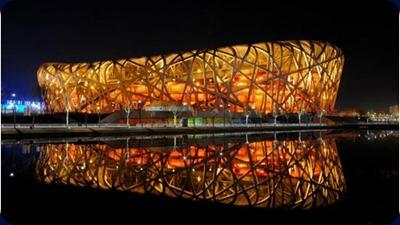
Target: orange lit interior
x: 303, y: 171
x: 284, y: 76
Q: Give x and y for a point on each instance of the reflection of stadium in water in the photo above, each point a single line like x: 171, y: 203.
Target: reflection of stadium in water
x: 267, y: 173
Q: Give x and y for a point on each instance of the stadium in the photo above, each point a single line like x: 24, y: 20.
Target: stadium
x: 286, y: 75
x: 264, y: 78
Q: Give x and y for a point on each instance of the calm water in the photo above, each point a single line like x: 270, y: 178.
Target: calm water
x: 315, y: 177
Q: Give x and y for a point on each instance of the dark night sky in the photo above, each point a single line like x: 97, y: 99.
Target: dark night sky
x: 34, y: 32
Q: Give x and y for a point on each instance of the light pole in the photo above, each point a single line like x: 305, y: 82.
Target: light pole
x: 33, y: 119
x: 222, y: 108
x: 67, y: 110
x: 14, y: 109
x: 98, y: 115
x: 67, y: 117
x: 128, y: 111
x: 275, y: 115
x: 86, y: 119
x: 321, y: 114
x: 280, y: 113
x: 259, y: 115
x: 213, y: 118
x: 175, y: 112
x: 194, y: 114
x: 299, y: 114
x: 140, y: 112
x: 127, y: 149
x: 15, y: 116
x: 151, y: 118
x: 175, y: 115
x: 247, y: 119
x: 254, y: 116
x: 230, y: 117
x: 286, y: 115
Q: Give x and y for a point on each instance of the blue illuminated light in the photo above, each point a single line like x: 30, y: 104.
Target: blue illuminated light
x: 21, y: 106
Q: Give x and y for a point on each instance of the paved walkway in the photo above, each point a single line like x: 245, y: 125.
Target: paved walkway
x: 74, y: 130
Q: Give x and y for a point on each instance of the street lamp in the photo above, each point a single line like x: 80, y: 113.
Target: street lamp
x: 175, y: 112
x: 299, y: 114
x: 128, y: 111
x: 194, y: 114
x: 15, y: 116
x: 33, y: 119
x: 230, y: 117
x: 98, y: 115
x: 275, y: 115
x: 321, y: 114
x: 213, y: 114
x: 222, y: 107
x: 246, y: 117
x: 259, y: 115
x: 140, y: 112
x: 86, y: 119
x: 151, y: 118
x: 127, y: 149
x: 14, y: 107
x: 286, y: 115
x: 67, y: 117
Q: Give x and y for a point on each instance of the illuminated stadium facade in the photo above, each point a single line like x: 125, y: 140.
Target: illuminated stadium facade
x: 267, y: 173
x: 282, y: 76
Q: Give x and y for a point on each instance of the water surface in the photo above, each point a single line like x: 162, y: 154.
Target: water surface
x: 313, y: 177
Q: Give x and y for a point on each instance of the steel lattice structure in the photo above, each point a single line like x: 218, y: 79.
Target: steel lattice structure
x: 287, y: 76
x: 271, y: 174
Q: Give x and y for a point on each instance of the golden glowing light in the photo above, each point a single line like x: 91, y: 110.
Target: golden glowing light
x: 285, y: 75
x: 290, y: 173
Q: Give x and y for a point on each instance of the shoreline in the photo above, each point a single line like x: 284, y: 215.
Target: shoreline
x: 20, y: 132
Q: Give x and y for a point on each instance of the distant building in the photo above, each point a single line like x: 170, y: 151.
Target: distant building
x: 348, y: 113
x: 25, y: 107
x: 394, y: 110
